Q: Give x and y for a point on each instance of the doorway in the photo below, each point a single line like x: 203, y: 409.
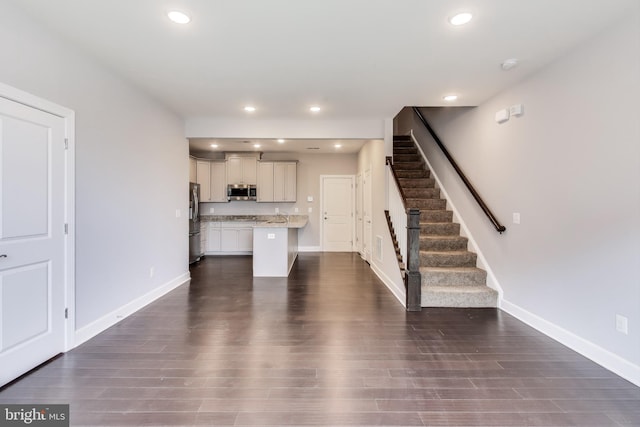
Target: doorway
x: 337, y: 213
x: 36, y: 241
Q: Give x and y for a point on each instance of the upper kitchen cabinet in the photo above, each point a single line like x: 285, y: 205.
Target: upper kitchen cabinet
x: 219, y: 182
x: 203, y: 177
x: 212, y: 177
x: 277, y: 181
x: 242, y: 169
x: 192, y: 170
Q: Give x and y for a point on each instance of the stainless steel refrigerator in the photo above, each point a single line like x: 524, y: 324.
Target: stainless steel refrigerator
x: 195, y: 251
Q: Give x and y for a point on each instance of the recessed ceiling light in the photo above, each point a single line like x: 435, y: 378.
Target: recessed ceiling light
x: 338, y: 145
x: 249, y: 109
x: 214, y: 145
x: 509, y: 64
x: 179, y: 17
x: 450, y: 98
x: 281, y: 141
x: 256, y: 145
x: 460, y: 18
x: 314, y: 109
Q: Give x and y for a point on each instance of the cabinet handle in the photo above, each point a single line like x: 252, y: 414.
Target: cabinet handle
x: 3, y: 256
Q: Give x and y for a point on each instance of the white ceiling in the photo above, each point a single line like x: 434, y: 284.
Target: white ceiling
x: 354, y: 58
x: 310, y: 146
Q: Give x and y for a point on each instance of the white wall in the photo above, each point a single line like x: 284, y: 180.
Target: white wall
x: 131, y: 170
x: 310, y: 167
x: 372, y: 156
x: 571, y: 167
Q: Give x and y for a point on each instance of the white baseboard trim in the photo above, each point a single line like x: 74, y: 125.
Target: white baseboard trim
x: 599, y: 355
x: 94, y: 328
x: 397, y: 291
x: 309, y: 249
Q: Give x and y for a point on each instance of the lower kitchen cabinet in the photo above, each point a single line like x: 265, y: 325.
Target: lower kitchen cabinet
x: 213, y: 237
x: 229, y: 237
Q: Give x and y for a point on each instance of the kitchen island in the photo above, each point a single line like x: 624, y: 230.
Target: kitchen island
x: 275, y: 245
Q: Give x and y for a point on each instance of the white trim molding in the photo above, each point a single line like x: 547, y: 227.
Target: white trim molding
x: 599, y: 355
x: 94, y: 328
x: 397, y: 292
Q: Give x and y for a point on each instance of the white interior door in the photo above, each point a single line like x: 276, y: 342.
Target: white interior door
x: 32, y: 238
x: 367, y: 214
x: 359, y: 216
x: 337, y: 213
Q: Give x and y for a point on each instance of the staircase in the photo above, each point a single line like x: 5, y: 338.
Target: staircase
x: 450, y: 277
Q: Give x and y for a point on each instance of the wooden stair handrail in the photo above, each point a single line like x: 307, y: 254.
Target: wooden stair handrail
x: 499, y: 227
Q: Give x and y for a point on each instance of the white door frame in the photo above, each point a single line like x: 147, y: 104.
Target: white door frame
x: 353, y: 207
x: 24, y: 98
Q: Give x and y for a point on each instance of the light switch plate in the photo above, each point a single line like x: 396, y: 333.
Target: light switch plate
x: 309, y: 198
x: 516, y: 218
x: 502, y: 115
x: 271, y: 236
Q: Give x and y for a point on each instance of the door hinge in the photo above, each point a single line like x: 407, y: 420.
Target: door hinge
x: 66, y: 143
x: 66, y: 228
x: 66, y: 313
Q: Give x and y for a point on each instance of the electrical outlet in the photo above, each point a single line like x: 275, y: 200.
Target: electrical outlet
x: 516, y: 218
x: 310, y: 210
x: 212, y: 210
x: 152, y: 271
x: 622, y: 324
x: 271, y: 236
x: 277, y: 210
x: 296, y: 210
x: 178, y: 213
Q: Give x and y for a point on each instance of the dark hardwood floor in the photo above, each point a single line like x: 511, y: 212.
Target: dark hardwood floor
x: 328, y: 346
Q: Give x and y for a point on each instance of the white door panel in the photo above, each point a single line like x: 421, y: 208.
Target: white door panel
x: 32, y: 243
x: 337, y: 213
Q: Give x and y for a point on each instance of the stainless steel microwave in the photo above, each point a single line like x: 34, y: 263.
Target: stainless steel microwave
x: 241, y: 192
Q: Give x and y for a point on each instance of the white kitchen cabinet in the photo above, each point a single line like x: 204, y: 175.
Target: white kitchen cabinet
x: 213, y: 237
x: 203, y: 177
x: 218, y: 183
x: 242, y: 170
x: 192, y: 170
x: 265, y: 182
x: 236, y: 237
x: 284, y: 181
x: 245, y: 239
x: 277, y: 181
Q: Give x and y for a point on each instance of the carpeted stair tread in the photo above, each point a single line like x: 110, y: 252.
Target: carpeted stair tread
x: 458, y: 296
x: 439, y: 229
x: 447, y: 258
x: 417, y: 182
x: 453, y: 276
x: 443, y: 243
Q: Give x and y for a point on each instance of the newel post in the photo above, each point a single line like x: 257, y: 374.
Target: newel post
x: 413, y: 280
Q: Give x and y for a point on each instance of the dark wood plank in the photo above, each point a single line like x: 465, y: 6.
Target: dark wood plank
x: 327, y: 346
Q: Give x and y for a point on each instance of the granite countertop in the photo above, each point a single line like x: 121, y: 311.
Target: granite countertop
x: 262, y: 221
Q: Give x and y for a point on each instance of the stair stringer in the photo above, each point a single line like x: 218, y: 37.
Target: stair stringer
x: 481, y: 262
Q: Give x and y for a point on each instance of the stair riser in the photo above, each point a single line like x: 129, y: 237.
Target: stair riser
x: 436, y: 216
x: 408, y: 165
x: 404, y: 150
x: 436, y: 204
x: 400, y: 143
x: 421, y: 182
x: 422, y: 193
x: 441, y: 245
x: 406, y: 158
x: 440, y: 229
x: 454, y: 259
x: 415, y: 173
x: 459, y: 300
x: 471, y: 277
